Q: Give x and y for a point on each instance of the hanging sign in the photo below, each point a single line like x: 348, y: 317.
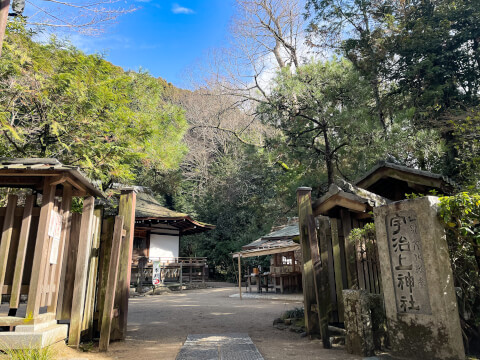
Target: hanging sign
x: 156, y: 278
x: 55, y: 231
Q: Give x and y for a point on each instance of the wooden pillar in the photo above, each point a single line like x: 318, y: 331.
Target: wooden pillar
x: 350, y: 254
x: 309, y: 291
x: 41, y: 255
x: 111, y: 285
x: 322, y: 271
x: 7, y: 232
x: 126, y: 208
x: 337, y: 263
x: 21, y: 253
x: 240, y: 276
x: 64, y: 239
x: 81, y: 272
x: 314, y: 297
x: 104, y: 264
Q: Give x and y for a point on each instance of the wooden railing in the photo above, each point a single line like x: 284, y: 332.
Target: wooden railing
x: 284, y: 269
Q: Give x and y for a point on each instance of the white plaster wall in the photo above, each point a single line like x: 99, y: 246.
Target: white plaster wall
x: 163, y: 246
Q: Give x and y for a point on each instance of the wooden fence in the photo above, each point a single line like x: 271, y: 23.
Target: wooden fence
x: 85, y: 271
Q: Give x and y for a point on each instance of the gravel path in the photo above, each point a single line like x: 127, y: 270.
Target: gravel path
x: 159, y: 325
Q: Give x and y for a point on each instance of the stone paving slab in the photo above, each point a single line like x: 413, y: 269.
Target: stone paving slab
x: 219, y: 347
x: 269, y: 296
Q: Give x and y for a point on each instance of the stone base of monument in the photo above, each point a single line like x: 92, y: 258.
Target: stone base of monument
x: 417, y: 281
x: 34, y: 336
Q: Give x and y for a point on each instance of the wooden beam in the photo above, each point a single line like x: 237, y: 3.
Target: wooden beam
x: 240, y: 276
x: 22, y: 251
x: 126, y: 208
x: 7, y: 232
x: 64, y: 239
x: 41, y: 252
x: 107, y: 314
x: 84, y: 246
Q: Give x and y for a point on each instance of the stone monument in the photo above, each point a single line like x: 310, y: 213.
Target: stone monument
x: 417, y: 281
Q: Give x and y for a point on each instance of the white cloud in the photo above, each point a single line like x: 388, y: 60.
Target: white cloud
x: 177, y: 9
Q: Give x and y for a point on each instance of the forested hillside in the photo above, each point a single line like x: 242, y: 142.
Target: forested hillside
x: 294, y: 101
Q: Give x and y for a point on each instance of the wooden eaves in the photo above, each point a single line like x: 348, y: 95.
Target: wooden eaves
x: 345, y: 195
x: 266, y: 251
x: 33, y: 172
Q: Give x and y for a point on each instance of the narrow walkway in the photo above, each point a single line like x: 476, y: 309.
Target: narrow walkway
x: 219, y: 347
x: 158, y: 326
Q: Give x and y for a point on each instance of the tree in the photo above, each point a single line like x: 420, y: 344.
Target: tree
x: 320, y: 110
x: 58, y: 102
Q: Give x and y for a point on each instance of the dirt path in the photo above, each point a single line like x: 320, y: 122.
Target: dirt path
x: 158, y: 326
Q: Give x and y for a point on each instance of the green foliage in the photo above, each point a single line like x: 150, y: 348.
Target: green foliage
x: 31, y: 353
x: 461, y: 215
x: 295, y: 313
x: 56, y: 101
x: 365, y: 233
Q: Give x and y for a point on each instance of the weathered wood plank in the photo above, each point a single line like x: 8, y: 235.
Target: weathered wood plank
x: 84, y: 246
x: 126, y: 208
x: 309, y: 290
x: 111, y: 284
x: 104, y: 263
x: 41, y: 252
x: 93, y: 273
x: 350, y: 257
x: 338, y: 268
x: 7, y: 232
x: 48, y: 267
x: 64, y: 238
x: 22, y: 251
x: 322, y: 286
x: 70, y: 264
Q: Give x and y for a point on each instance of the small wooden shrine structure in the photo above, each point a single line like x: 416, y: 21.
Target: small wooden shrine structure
x: 331, y: 262
x: 157, y: 237
x: 285, y: 262
x: 56, y: 265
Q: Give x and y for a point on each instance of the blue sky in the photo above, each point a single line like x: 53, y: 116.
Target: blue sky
x: 165, y: 37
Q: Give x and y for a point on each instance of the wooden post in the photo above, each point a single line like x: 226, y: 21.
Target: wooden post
x: 5, y: 6
x: 104, y: 264
x: 337, y: 263
x: 7, y: 237
x: 93, y: 272
x: 350, y: 255
x: 323, y: 285
x: 240, y: 276
x: 126, y: 208
x: 181, y: 276
x: 84, y: 245
x: 309, y: 287
x: 64, y: 238
x: 21, y: 253
x: 67, y: 281
x: 41, y: 255
x: 111, y: 285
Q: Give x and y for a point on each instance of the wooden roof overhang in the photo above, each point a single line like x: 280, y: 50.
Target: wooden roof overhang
x: 185, y: 225
x: 393, y: 181
x: 358, y: 201
x: 267, y: 250
x: 32, y: 174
